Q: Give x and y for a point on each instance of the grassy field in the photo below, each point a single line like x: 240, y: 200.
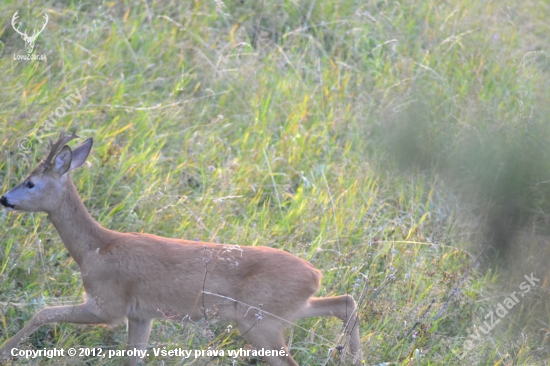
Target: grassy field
x: 401, y: 147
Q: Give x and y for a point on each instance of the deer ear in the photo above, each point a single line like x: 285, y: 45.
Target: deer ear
x: 81, y: 153
x: 63, y: 160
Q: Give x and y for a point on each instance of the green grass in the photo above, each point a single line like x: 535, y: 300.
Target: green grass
x: 370, y: 138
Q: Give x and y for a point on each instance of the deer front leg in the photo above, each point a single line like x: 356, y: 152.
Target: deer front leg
x: 79, y: 314
x: 138, y: 335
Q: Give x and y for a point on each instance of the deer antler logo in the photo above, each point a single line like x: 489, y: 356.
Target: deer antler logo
x: 29, y: 40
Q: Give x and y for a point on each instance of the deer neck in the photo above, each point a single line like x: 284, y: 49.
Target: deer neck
x: 80, y: 233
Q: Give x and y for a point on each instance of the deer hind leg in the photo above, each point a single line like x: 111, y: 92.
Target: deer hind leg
x: 344, y: 308
x: 269, y: 335
x: 138, y: 335
x: 80, y: 314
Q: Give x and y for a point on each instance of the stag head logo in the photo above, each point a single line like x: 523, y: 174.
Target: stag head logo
x: 29, y: 40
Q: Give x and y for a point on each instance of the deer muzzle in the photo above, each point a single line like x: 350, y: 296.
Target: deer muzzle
x: 5, y: 203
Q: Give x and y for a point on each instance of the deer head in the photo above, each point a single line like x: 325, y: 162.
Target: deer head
x: 29, y: 40
x: 43, y: 189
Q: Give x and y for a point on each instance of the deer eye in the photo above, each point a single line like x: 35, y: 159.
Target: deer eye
x: 29, y: 184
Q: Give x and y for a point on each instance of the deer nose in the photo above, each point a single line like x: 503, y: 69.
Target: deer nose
x: 4, y: 201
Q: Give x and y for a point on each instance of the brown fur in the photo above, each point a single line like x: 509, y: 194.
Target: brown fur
x: 140, y: 277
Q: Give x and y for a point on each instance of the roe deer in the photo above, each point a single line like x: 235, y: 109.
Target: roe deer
x: 140, y: 277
